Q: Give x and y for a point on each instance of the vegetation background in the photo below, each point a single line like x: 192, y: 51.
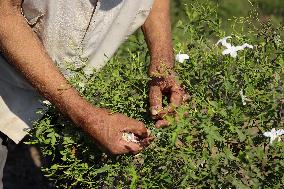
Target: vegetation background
x: 228, y: 11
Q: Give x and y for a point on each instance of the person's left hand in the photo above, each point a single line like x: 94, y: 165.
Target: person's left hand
x: 161, y: 86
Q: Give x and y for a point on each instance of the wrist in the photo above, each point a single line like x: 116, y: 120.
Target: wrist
x: 161, y: 63
x: 79, y: 110
x: 89, y: 117
x: 74, y: 106
x: 161, y: 67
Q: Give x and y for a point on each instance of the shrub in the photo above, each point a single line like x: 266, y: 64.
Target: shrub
x: 218, y: 144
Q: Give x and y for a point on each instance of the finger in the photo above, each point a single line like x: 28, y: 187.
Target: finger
x: 169, y: 110
x: 177, y: 96
x: 146, y: 142
x: 185, y: 97
x: 176, y: 99
x: 155, y: 99
x: 138, y: 128
x: 131, y: 147
x: 162, y: 123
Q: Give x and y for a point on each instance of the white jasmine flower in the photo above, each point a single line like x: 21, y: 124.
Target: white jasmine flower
x: 224, y: 42
x: 130, y: 137
x: 182, y: 57
x: 274, y: 134
x: 46, y: 102
x: 244, y: 98
x: 231, y: 49
x: 245, y: 46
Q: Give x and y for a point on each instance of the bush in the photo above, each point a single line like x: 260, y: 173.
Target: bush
x: 218, y: 144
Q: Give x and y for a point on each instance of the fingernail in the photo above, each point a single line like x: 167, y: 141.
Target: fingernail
x: 154, y: 110
x: 162, y: 123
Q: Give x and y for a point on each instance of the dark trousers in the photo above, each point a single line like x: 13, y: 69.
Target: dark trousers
x: 3, y: 156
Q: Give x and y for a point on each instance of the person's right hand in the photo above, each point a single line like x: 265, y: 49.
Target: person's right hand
x: 107, y: 130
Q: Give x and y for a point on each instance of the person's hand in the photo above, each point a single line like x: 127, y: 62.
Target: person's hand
x: 165, y: 85
x: 107, y: 130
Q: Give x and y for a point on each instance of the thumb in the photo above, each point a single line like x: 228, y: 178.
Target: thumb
x: 137, y: 128
x: 132, y: 147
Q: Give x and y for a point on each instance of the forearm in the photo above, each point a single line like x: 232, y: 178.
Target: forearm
x: 157, y: 32
x: 25, y: 52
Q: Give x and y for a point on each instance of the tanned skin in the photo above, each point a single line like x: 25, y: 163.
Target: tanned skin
x: 158, y: 35
x: 17, y: 41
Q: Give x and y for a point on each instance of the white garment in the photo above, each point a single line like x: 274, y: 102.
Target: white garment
x: 67, y: 29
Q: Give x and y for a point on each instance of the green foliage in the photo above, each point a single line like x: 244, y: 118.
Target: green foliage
x: 228, y: 9
x: 219, y: 143
x: 275, y: 7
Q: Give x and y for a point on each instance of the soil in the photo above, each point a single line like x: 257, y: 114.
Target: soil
x: 22, y: 169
